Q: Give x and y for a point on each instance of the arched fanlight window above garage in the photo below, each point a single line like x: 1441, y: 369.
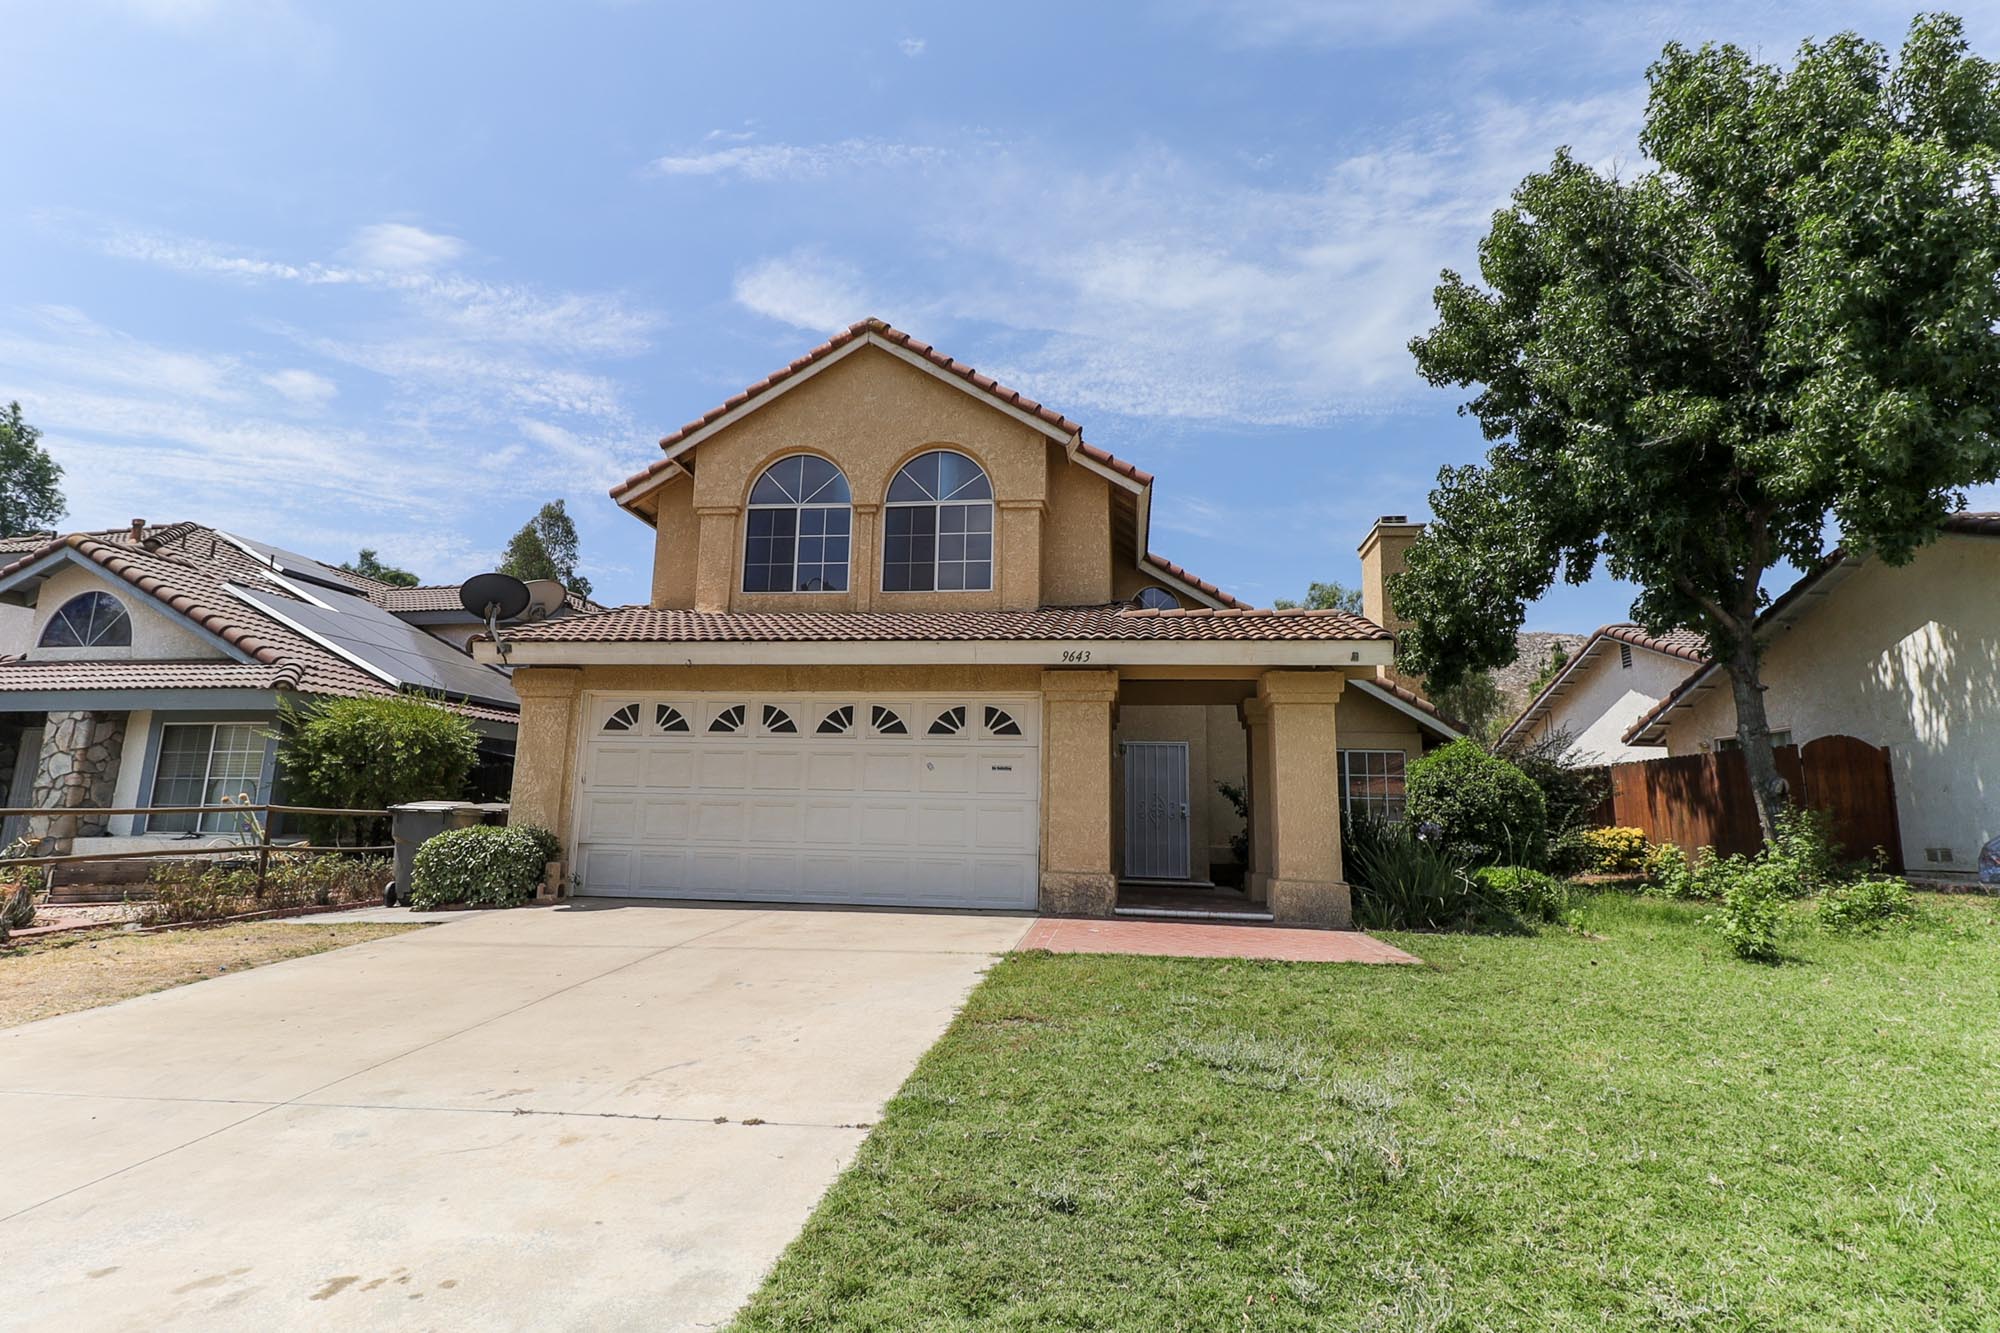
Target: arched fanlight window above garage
x: 797, y: 528
x: 937, y: 526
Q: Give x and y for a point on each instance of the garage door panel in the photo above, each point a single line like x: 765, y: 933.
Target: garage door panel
x: 670, y: 766
x: 719, y: 821
x: 944, y: 771
x: 611, y: 818
x: 830, y: 823
x: 618, y: 766
x: 889, y: 770
x: 722, y: 769
x: 833, y: 771
x: 946, y: 819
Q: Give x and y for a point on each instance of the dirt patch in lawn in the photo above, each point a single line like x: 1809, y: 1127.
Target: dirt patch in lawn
x: 64, y: 973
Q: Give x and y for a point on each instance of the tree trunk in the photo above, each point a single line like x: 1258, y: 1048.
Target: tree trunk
x: 1753, y: 734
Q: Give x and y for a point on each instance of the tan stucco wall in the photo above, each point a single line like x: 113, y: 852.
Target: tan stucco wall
x: 155, y: 636
x: 1076, y: 536
x: 1908, y: 658
x: 1369, y: 724
x: 676, y: 550
x: 1602, y: 699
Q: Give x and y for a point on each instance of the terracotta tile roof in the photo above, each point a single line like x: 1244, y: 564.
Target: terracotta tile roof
x: 191, y: 569
x: 1686, y: 644
x: 640, y: 624
x: 986, y: 384
x: 444, y: 597
x: 1160, y: 562
x: 1966, y: 523
x: 1416, y: 701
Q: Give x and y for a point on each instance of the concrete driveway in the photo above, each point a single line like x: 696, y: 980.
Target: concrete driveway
x: 606, y: 1117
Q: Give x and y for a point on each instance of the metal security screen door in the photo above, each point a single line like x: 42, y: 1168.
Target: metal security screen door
x: 1156, y: 809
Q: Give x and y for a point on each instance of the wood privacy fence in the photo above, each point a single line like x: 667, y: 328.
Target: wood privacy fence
x: 1703, y: 800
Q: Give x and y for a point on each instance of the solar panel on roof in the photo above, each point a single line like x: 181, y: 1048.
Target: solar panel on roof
x: 300, y: 566
x: 366, y: 634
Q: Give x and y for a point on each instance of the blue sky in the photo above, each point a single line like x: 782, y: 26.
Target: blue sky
x: 392, y: 274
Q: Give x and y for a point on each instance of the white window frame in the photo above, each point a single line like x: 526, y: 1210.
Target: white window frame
x: 1348, y: 799
x: 937, y: 531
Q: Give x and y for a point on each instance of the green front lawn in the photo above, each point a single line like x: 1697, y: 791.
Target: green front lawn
x: 1625, y: 1126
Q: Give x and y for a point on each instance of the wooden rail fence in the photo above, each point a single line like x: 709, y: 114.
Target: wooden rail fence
x: 1704, y: 800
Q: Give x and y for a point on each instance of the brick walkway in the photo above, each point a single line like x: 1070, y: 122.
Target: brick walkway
x: 1186, y: 939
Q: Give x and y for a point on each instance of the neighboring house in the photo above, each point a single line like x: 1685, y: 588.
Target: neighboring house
x: 907, y: 644
x: 1619, y: 674
x: 147, y: 666
x: 436, y: 609
x: 1907, y: 658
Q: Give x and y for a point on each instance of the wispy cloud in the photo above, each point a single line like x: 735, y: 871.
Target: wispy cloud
x: 787, y: 161
x: 303, y: 387
x: 911, y: 47
x: 400, y: 247
x: 1169, y: 287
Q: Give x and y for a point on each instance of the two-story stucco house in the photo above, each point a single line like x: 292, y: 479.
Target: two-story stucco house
x: 906, y: 644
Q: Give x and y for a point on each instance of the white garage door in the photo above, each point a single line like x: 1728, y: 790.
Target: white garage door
x: 902, y: 799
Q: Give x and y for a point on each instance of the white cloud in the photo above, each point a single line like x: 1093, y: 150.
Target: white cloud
x: 785, y: 161
x: 911, y: 47
x: 1166, y: 287
x: 805, y: 290
x: 399, y: 247
x: 302, y: 387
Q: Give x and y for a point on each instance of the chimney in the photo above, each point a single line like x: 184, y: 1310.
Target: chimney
x: 138, y: 530
x: 1383, y: 553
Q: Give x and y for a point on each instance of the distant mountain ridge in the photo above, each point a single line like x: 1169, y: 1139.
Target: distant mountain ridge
x: 1531, y: 653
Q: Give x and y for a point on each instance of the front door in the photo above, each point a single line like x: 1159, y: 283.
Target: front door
x: 1156, y: 809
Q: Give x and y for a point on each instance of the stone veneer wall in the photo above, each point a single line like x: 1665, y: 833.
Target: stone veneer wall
x: 78, y: 768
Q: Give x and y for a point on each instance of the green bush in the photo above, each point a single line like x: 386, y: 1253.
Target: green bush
x: 1804, y: 845
x: 1531, y: 895
x: 1752, y: 907
x: 1572, y: 793
x: 1867, y: 904
x: 1403, y: 881
x: 1616, y: 851
x: 1485, y: 807
x: 1666, y: 868
x: 482, y: 866
x: 371, y: 753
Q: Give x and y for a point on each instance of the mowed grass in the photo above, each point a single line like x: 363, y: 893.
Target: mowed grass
x: 1620, y: 1126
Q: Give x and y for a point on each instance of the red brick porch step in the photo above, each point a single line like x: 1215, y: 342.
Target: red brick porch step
x: 1187, y: 939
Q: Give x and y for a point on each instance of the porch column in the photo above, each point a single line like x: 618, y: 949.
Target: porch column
x: 545, y: 748
x: 1077, y: 708
x: 1304, y: 883
x: 1257, y: 725
x: 78, y: 768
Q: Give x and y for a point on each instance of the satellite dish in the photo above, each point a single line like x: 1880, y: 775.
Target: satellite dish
x: 494, y: 596
x: 545, y: 598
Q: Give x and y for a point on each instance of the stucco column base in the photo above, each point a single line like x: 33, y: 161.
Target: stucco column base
x: 1257, y: 887
x: 1073, y: 894
x: 1324, y: 904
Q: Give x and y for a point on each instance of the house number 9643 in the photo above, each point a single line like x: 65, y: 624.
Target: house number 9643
x: 1076, y: 654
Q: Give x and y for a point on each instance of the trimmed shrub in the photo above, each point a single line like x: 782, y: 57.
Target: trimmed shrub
x: 370, y: 753
x: 1867, y: 904
x: 1531, y: 895
x: 1485, y: 808
x: 1616, y: 851
x: 482, y: 866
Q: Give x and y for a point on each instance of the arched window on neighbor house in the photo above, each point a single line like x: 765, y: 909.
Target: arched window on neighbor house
x: 90, y: 620
x: 937, y: 526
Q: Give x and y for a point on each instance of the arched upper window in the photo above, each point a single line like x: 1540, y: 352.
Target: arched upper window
x: 1156, y: 599
x: 797, y: 529
x: 937, y: 526
x: 93, y: 620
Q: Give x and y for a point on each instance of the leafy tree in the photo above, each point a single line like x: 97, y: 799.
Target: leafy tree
x: 30, y: 494
x: 1324, y: 597
x: 369, y: 565
x: 1558, y: 659
x: 1474, y: 699
x: 545, y: 548
x: 373, y: 752
x: 1687, y: 374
